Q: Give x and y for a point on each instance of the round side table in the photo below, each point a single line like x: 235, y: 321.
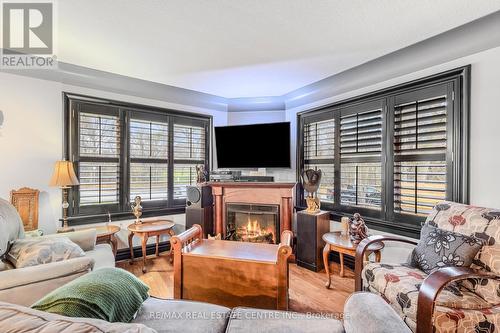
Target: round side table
x: 146, y: 230
x: 342, y: 244
x: 106, y: 234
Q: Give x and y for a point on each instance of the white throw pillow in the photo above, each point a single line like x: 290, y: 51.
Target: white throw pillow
x: 33, y: 251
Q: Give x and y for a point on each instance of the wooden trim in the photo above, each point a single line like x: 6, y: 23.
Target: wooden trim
x: 284, y: 251
x: 363, y: 247
x: 432, y: 286
x: 251, y: 184
x: 184, y: 239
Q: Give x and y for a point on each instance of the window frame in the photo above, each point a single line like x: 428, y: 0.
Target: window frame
x: 126, y: 111
x: 457, y: 155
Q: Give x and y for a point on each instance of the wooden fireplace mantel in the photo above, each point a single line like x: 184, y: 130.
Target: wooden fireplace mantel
x: 279, y: 194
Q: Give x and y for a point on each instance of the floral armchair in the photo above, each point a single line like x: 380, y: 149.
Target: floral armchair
x: 450, y: 299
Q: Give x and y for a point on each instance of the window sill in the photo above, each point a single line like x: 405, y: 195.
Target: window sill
x: 98, y: 218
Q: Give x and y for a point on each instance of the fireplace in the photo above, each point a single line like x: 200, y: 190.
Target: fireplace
x: 256, y: 223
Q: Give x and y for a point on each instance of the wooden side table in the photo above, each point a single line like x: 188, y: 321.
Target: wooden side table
x: 106, y: 234
x: 146, y: 230
x: 342, y: 244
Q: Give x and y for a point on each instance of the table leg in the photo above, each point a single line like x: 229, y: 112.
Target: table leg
x: 144, y: 242
x: 341, y: 256
x: 131, y: 247
x: 157, y: 244
x: 114, y: 244
x: 326, y: 252
x: 170, y: 251
x: 378, y: 255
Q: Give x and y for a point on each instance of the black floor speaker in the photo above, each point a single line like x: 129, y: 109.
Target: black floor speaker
x: 199, y: 196
x: 202, y: 216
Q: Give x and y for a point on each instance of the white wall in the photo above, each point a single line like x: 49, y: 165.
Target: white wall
x: 485, y: 119
x: 31, y: 136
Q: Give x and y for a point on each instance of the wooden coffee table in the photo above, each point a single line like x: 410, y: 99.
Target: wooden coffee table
x: 342, y: 244
x: 146, y: 230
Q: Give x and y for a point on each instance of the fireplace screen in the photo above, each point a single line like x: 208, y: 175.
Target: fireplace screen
x: 252, y: 223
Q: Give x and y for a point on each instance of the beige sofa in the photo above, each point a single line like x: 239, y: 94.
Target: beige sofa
x: 24, y: 286
x: 363, y: 312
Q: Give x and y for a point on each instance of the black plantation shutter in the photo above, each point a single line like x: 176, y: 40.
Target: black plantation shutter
x: 98, y: 161
x: 421, y: 122
x: 148, y: 157
x: 361, y: 155
x: 190, y: 149
x: 319, y: 152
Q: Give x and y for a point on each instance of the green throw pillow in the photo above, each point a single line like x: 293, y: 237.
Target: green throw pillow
x: 110, y: 294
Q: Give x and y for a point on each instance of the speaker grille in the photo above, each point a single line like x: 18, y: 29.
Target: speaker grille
x: 193, y: 195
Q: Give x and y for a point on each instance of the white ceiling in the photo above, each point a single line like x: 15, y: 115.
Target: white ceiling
x: 246, y: 48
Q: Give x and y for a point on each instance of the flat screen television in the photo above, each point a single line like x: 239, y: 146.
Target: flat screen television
x: 253, y: 146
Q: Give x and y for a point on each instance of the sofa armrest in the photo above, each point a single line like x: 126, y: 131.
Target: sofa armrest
x: 85, y: 239
x: 19, y: 277
x: 370, y: 313
x: 361, y: 249
x: 432, y: 286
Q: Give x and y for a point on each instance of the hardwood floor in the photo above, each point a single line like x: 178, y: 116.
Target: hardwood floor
x: 307, y: 291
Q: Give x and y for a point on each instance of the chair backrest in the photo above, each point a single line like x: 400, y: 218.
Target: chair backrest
x: 480, y: 222
x: 11, y: 225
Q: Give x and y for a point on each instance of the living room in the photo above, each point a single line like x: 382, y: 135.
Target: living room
x: 269, y: 166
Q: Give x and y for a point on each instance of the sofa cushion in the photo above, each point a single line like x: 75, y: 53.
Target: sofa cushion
x: 16, y: 318
x: 483, y: 223
x: 181, y: 316
x: 83, y: 238
x: 36, y: 251
x: 11, y: 226
x: 245, y: 320
x: 399, y: 286
x: 438, y: 248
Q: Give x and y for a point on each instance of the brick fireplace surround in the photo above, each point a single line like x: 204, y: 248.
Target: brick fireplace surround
x: 252, y: 193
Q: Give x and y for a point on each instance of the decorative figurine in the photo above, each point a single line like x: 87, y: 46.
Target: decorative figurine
x: 344, y: 223
x: 357, y: 229
x: 137, y: 209
x: 311, y: 180
x: 201, y: 174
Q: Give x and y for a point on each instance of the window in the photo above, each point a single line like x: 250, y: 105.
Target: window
x: 394, y: 154
x: 121, y: 151
x: 360, y: 156
x: 319, y: 152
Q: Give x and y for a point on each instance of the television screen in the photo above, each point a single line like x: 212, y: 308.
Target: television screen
x: 253, y: 146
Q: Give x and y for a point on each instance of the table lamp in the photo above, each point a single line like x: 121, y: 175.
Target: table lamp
x: 64, y: 176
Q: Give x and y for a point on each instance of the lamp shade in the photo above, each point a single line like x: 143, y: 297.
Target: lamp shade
x: 64, y: 175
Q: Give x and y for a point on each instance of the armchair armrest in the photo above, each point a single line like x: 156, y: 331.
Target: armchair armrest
x: 432, y: 286
x: 361, y: 249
